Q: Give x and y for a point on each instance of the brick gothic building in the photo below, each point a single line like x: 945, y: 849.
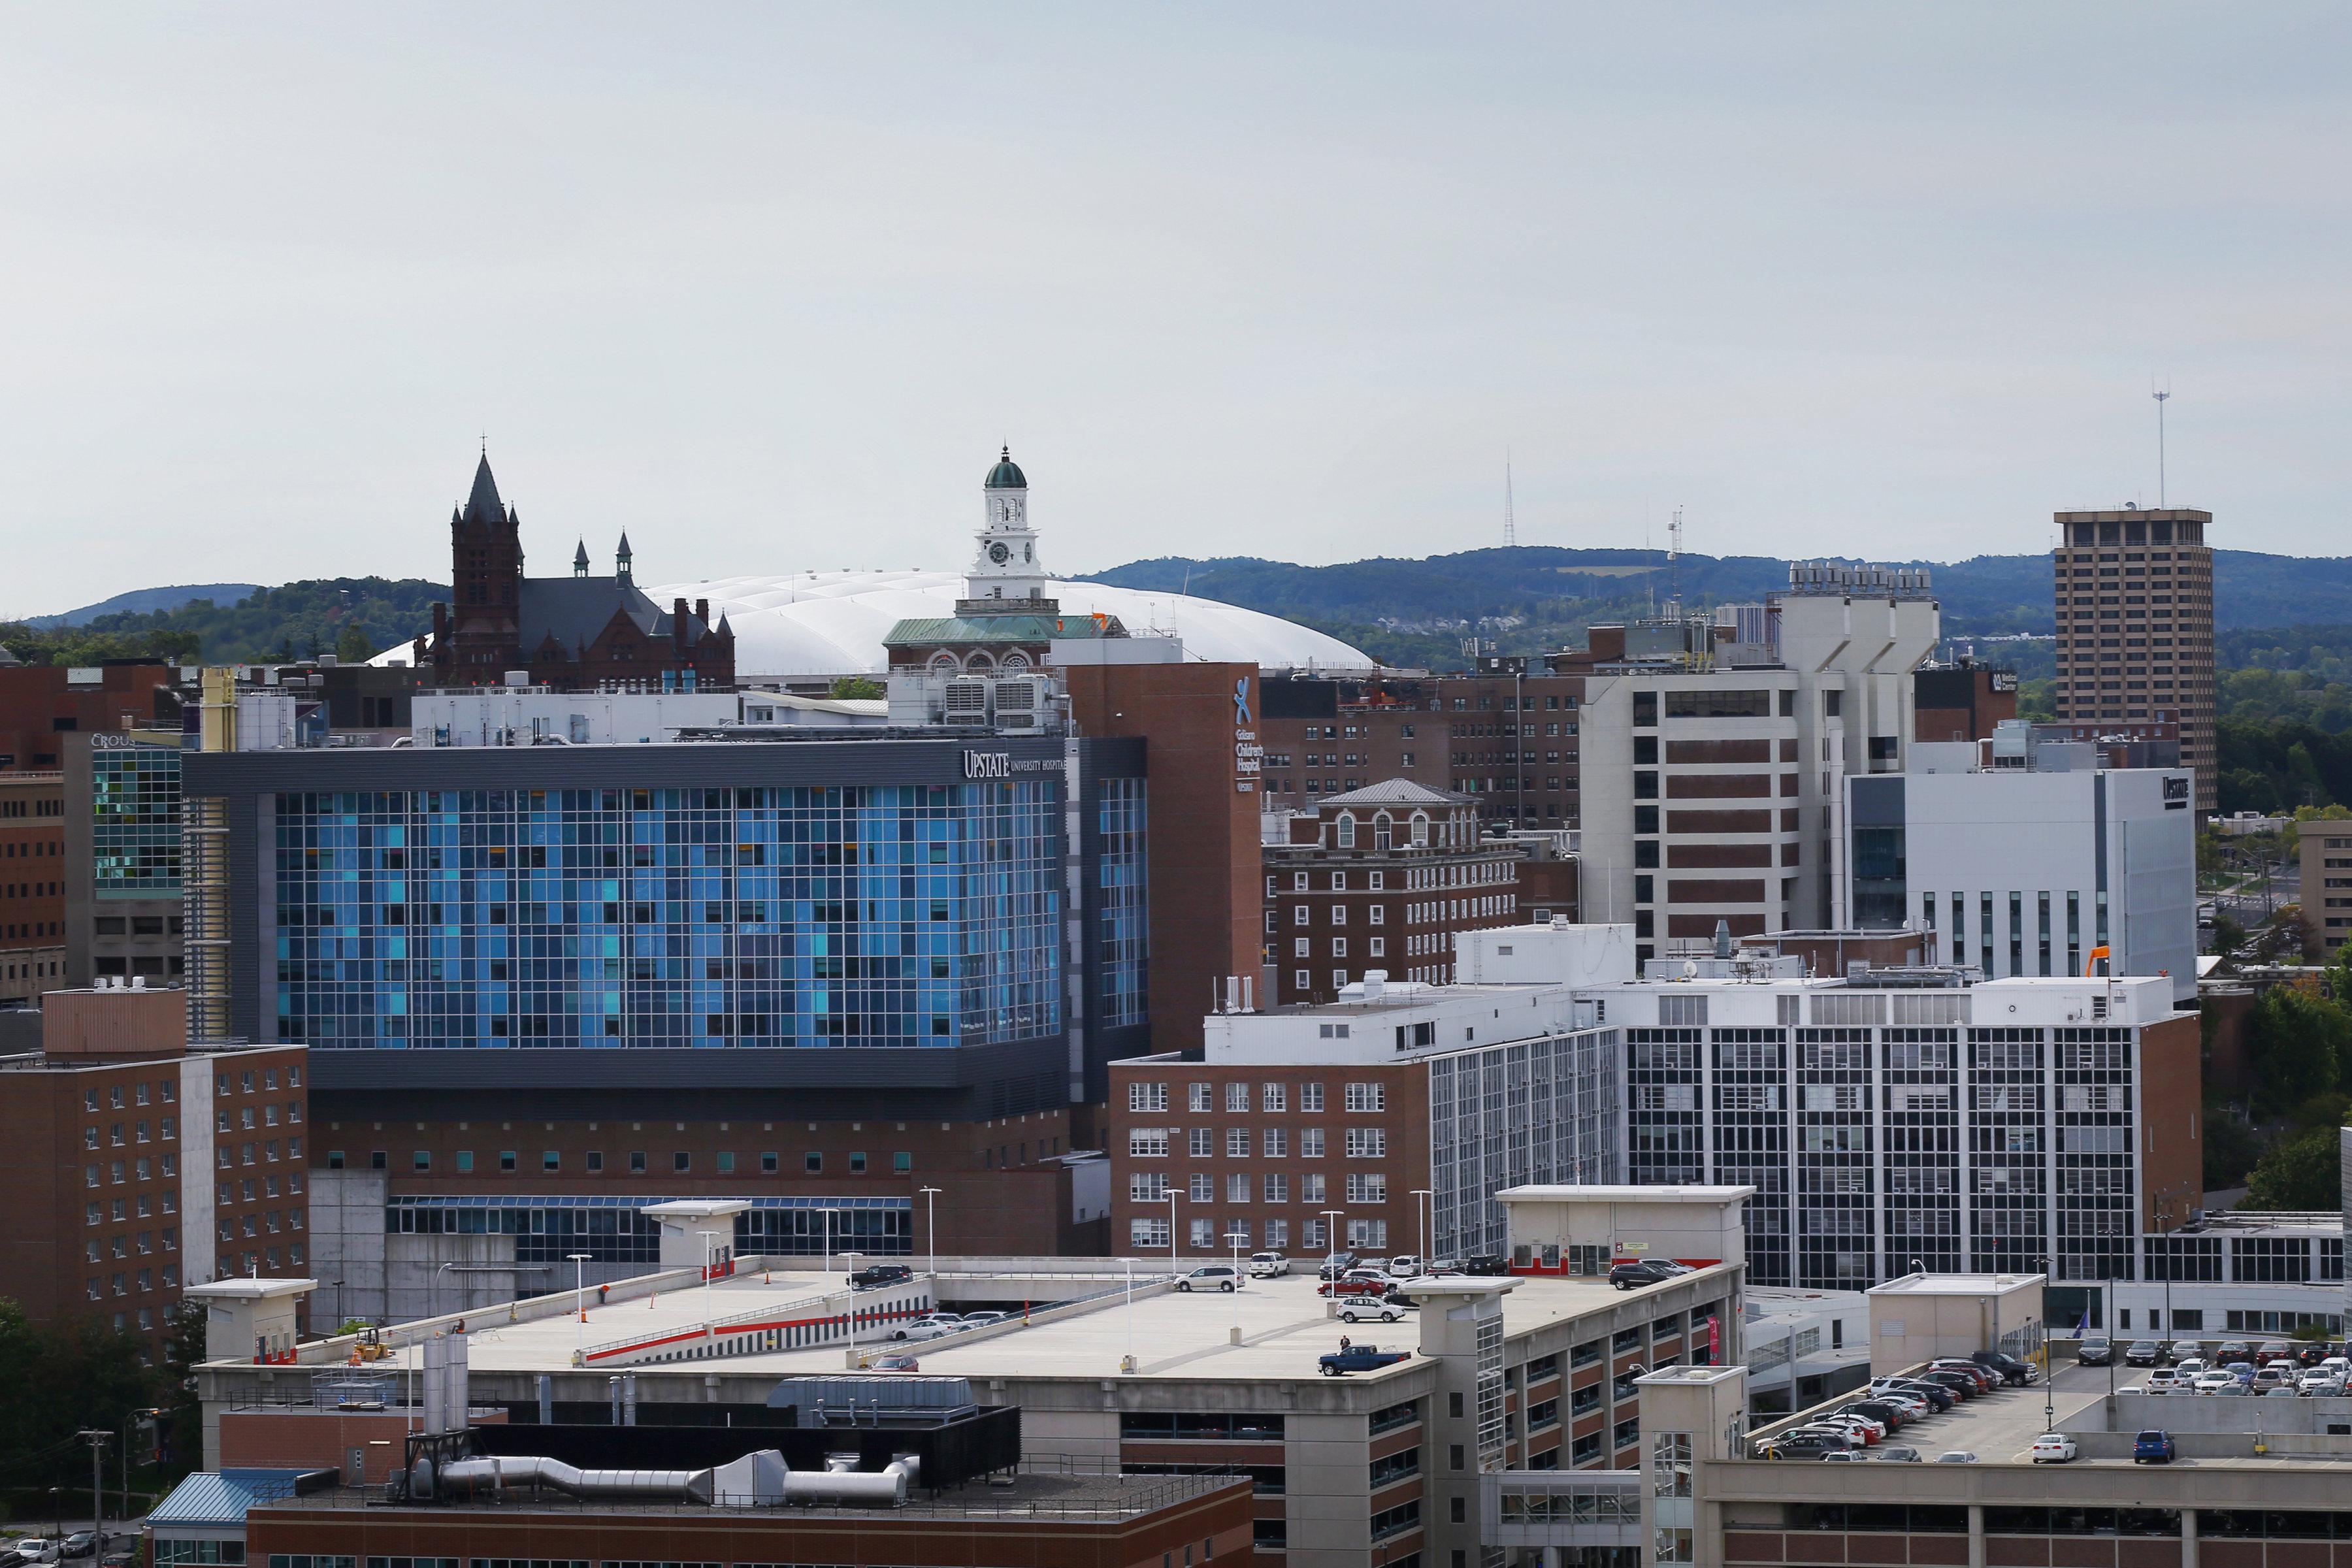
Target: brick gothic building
x: 573, y: 633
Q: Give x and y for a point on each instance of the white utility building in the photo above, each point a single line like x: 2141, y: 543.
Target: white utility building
x: 2023, y: 856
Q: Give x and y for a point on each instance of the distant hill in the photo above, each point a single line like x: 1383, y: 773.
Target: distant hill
x: 147, y: 601
x: 300, y: 620
x: 1534, y: 597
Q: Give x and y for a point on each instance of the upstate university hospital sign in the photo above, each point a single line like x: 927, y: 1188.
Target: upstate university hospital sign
x: 999, y: 765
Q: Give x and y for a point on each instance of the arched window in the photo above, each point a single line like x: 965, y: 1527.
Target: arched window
x: 943, y: 663
x: 1016, y: 659
x: 1421, y: 830
x: 1380, y: 834
x: 1346, y: 830
x: 979, y: 661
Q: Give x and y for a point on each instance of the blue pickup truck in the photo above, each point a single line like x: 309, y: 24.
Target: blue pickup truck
x: 1360, y: 1357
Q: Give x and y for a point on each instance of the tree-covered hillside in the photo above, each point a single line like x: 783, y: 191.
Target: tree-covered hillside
x: 1535, y: 598
x: 350, y: 616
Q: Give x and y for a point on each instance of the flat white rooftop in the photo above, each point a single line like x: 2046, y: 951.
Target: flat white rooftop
x: 1284, y: 1328
x: 1957, y: 1284
x: 1626, y: 1194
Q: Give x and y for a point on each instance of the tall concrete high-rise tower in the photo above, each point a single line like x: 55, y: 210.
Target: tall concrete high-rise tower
x: 2134, y: 595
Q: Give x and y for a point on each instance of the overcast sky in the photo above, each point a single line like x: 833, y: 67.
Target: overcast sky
x: 768, y: 287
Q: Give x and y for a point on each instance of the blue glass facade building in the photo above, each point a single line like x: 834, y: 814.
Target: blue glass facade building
x: 863, y: 918
x: 888, y: 915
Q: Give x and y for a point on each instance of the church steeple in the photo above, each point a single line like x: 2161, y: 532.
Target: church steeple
x: 621, y: 560
x: 1005, y: 565
x: 579, y: 560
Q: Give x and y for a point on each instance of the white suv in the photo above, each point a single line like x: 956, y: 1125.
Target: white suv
x: 1266, y: 1265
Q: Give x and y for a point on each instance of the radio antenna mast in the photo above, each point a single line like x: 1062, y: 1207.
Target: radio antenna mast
x: 1510, y: 521
x: 1674, y: 562
x: 2160, y: 399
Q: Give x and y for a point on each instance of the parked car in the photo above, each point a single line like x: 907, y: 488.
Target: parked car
x: 2215, y: 1380
x: 2008, y: 1368
x: 2096, y: 1351
x: 1360, y: 1282
x: 2189, y: 1367
x: 1959, y: 1385
x: 1938, y: 1396
x: 1383, y: 1311
x: 1405, y: 1265
x: 2163, y: 1380
x: 925, y: 1330
x: 1267, y: 1265
x: 80, y: 1543
x: 1985, y: 1378
x: 1214, y: 1276
x: 2311, y: 1353
x: 874, y: 1276
x: 2142, y: 1352
x: 2229, y: 1351
x: 2273, y: 1350
x: 929, y: 1326
x: 983, y: 1319
x: 1890, y: 1416
x: 2185, y: 1349
x: 2153, y: 1447
x: 1956, y: 1456
x: 1800, y: 1445
x: 2269, y: 1377
x: 1336, y: 1264
x: 2053, y: 1448
x: 1898, y: 1454
x: 1872, y: 1430
x: 1486, y: 1263
x: 1644, y: 1271
x: 898, y: 1361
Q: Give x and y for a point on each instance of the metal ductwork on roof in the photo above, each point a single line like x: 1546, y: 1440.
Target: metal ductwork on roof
x: 760, y: 1479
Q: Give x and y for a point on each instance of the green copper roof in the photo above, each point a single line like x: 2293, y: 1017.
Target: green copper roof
x: 1007, y: 474
x: 940, y: 631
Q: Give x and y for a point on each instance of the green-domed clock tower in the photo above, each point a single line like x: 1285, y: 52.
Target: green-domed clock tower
x: 1006, y: 566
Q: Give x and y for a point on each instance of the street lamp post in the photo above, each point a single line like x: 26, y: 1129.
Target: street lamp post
x: 1130, y: 1264
x: 1172, y: 1196
x: 1422, y: 1215
x: 579, y: 1301
x: 931, y: 1224
x: 1236, y: 1237
x: 847, y: 1272
x: 1331, y: 1218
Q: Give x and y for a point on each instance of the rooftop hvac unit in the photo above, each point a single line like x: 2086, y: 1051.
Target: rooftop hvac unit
x: 1022, y: 702
x: 966, y: 700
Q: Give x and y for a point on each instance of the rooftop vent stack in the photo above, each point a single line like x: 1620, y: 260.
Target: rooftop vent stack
x: 437, y: 1355
x: 1722, y: 939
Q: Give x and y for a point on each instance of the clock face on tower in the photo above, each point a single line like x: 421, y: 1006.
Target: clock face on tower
x: 1000, y: 552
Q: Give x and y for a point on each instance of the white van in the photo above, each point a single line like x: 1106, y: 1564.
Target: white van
x: 1267, y: 1265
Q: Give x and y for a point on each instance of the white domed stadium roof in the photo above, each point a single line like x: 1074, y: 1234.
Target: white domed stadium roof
x: 833, y: 623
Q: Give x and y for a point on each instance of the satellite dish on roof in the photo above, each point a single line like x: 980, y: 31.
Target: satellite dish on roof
x: 1690, y: 969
